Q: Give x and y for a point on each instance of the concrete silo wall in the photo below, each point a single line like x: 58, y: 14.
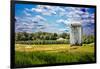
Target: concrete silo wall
x: 76, y: 34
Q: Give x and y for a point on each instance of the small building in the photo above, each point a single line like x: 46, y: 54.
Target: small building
x: 60, y: 39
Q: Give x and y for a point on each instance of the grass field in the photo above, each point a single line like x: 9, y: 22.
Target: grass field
x: 51, y: 54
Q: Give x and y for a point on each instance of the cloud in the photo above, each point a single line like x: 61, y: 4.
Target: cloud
x: 65, y: 22
x: 74, y: 13
x: 36, y: 10
x: 64, y: 16
x: 44, y: 10
x: 60, y: 21
x: 92, y: 15
x: 39, y: 18
x: 64, y: 30
x: 85, y: 15
x: 70, y: 13
x: 88, y: 29
x: 26, y: 13
x: 27, y: 9
x: 29, y: 24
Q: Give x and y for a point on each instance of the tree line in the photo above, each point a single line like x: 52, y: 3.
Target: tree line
x: 48, y: 38
x: 23, y: 36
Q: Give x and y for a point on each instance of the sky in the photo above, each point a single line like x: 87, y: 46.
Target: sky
x: 54, y: 19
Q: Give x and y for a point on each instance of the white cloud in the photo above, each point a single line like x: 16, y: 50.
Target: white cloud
x: 38, y: 22
x: 70, y: 13
x: 36, y: 10
x: 60, y: 21
x: 64, y: 30
x: 39, y: 18
x: 65, y: 22
x: 26, y: 13
x: 92, y: 21
x: 87, y: 20
x: 27, y: 9
x: 85, y: 15
x: 43, y: 9
x: 29, y: 23
x: 92, y: 16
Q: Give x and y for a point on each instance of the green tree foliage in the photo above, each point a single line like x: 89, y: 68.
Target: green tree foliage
x: 64, y: 35
x: 23, y: 36
x: 88, y: 39
x: 48, y: 38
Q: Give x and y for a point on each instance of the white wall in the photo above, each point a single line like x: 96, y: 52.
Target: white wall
x: 75, y: 35
x: 5, y: 34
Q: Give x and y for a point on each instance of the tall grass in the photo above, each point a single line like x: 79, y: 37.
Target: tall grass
x: 83, y: 54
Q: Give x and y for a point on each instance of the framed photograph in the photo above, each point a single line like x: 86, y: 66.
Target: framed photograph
x: 50, y: 34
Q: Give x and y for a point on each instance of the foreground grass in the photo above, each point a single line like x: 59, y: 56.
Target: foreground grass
x: 51, y: 54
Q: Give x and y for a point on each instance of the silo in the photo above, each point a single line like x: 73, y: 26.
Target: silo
x: 76, y: 34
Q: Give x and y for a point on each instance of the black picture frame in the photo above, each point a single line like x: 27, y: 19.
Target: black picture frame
x: 12, y: 29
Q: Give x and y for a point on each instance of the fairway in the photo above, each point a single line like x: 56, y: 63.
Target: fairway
x: 53, y: 53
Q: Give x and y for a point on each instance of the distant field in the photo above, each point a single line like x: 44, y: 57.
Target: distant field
x: 51, y: 54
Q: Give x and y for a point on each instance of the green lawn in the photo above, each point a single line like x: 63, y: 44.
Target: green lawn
x: 51, y: 54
